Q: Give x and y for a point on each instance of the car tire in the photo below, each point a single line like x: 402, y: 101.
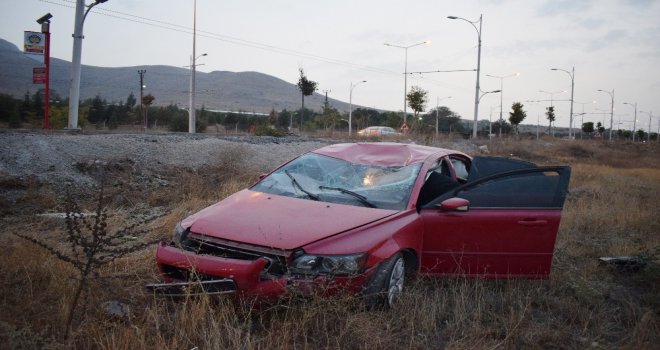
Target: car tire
x: 386, y: 285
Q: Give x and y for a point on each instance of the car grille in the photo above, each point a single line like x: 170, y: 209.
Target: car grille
x: 205, y: 245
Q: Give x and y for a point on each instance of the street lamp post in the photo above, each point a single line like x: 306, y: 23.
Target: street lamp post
x: 484, y: 93
x: 501, y: 78
x: 648, y: 137
x: 193, y: 93
x: 570, y: 120
x: 582, y: 114
x: 477, y: 88
x: 350, y: 106
x: 611, y: 109
x: 74, y: 88
x: 405, y: 75
x: 437, y: 106
x: 634, y: 120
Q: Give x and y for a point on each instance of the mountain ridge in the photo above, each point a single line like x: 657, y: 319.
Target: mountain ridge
x: 248, y: 91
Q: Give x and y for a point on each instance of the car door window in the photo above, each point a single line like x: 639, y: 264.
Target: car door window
x: 527, y: 188
x: 438, y: 181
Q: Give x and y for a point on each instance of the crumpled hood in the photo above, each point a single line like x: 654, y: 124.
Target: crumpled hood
x: 276, y: 221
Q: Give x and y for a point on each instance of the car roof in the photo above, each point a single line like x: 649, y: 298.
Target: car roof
x: 383, y: 153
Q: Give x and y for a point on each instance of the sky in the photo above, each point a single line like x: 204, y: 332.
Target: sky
x: 614, y: 45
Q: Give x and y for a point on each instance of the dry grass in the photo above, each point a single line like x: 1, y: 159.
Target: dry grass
x: 612, y: 210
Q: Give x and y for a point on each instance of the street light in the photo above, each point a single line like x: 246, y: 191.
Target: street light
x: 502, y: 92
x: 437, y: 106
x: 405, y: 75
x: 570, y: 120
x: 350, y: 106
x: 648, y: 138
x: 477, y: 88
x: 582, y: 114
x: 611, y: 109
x: 484, y: 93
x: 634, y: 120
x: 74, y: 88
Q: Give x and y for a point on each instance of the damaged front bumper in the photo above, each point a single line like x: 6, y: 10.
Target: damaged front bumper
x: 187, y: 273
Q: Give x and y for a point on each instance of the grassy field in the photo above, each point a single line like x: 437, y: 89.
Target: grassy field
x: 613, y: 209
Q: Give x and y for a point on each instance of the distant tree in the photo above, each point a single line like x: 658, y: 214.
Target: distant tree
x: 600, y: 128
x: 588, y: 127
x: 330, y: 117
x: 517, y: 115
x: 550, y: 115
x: 641, y: 134
x: 417, y: 99
x: 307, y: 88
x: 502, y: 126
x: 131, y: 101
x: 96, y: 113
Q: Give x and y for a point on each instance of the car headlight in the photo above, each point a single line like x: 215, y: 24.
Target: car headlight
x: 329, y: 264
x: 180, y: 234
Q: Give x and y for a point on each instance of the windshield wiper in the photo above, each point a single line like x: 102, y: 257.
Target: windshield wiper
x: 296, y: 184
x: 360, y: 197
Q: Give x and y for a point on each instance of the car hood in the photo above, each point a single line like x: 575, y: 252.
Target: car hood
x: 277, y: 221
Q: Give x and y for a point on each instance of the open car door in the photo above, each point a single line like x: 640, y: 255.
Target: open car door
x: 501, y: 225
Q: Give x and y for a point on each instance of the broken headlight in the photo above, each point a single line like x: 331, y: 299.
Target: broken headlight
x: 180, y: 234
x: 329, y: 264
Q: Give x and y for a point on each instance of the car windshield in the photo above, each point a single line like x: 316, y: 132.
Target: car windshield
x: 317, y: 177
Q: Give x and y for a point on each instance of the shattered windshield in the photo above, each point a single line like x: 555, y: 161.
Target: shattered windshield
x: 316, y: 177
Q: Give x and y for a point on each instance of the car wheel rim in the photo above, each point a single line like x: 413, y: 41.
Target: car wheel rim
x: 396, y: 281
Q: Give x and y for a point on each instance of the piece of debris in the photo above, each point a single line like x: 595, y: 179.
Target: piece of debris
x: 116, y: 309
x: 624, y: 263
x: 484, y: 149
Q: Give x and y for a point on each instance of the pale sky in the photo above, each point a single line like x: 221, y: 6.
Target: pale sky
x: 613, y: 44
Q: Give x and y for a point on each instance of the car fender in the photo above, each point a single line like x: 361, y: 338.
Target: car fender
x: 380, y: 239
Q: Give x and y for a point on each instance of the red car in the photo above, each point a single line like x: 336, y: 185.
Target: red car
x: 365, y: 218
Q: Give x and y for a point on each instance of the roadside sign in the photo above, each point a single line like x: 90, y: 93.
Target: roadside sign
x: 34, y: 45
x: 39, y: 75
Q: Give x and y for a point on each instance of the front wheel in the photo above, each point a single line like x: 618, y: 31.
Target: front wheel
x: 387, y: 284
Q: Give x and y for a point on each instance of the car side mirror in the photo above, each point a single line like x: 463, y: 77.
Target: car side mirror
x: 454, y: 204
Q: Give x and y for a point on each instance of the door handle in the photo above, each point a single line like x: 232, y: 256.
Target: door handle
x: 532, y: 222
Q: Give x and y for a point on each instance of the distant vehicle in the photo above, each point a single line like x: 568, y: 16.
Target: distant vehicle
x: 365, y: 218
x: 378, y: 131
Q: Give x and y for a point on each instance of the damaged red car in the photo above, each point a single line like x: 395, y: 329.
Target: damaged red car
x: 366, y: 218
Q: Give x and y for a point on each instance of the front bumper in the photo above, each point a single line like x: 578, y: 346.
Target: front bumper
x: 198, y: 274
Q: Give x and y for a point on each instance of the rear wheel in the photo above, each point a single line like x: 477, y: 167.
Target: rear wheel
x: 387, y: 284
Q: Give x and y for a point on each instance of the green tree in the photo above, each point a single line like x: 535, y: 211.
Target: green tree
x: 517, y: 115
x: 307, y: 88
x: 600, y: 128
x: 588, y: 127
x: 550, y: 115
x: 417, y: 99
x: 97, y: 110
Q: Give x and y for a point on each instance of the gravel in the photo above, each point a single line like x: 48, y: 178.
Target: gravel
x: 57, y: 158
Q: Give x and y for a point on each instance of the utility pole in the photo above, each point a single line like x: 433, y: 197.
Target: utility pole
x: 326, y: 97
x: 141, y: 72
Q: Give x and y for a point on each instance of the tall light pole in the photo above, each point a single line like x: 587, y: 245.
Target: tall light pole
x: 611, y: 109
x: 405, y: 75
x: 350, y: 106
x: 74, y: 87
x: 582, y: 114
x: 501, y: 78
x: 648, y: 138
x: 634, y: 120
x: 191, y: 97
x: 570, y: 120
x: 437, y: 106
x: 477, y: 88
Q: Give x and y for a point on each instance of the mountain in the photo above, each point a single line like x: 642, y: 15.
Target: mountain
x: 218, y: 90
